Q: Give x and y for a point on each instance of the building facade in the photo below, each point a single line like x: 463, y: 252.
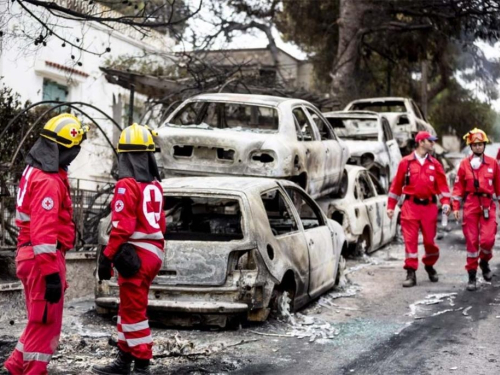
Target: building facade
x: 58, y: 71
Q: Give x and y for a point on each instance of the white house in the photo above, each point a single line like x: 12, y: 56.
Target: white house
x: 57, y: 72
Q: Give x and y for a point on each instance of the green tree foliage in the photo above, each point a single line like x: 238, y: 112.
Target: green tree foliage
x: 18, y: 135
x: 393, y: 39
x: 456, y: 111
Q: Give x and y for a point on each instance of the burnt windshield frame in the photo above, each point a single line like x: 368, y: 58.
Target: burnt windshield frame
x: 221, y: 110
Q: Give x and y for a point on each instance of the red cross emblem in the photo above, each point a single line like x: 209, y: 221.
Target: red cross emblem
x: 73, y: 132
x: 47, y: 203
x: 153, y: 206
x: 119, y: 206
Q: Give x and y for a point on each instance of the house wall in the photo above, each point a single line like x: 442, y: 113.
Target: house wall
x: 295, y: 72
x: 24, y: 67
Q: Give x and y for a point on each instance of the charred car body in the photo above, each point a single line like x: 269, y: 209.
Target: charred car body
x: 236, y: 247
x: 362, y: 212
x: 256, y: 136
x: 403, y: 114
x: 370, y: 141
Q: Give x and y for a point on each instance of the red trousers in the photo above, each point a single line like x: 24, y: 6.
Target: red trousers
x: 134, y: 335
x: 479, y: 232
x: 415, y: 217
x: 40, y: 337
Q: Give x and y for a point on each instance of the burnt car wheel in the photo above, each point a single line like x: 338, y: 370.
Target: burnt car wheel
x: 363, y: 246
x: 281, y: 303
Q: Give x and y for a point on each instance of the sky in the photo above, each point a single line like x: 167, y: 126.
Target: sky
x: 253, y: 39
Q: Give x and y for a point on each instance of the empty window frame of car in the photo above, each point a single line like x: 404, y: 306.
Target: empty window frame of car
x: 228, y: 116
x: 382, y: 106
x: 309, y: 212
x: 366, y: 188
x: 377, y: 185
x: 203, y: 218
x: 281, y: 219
x: 386, y: 127
x: 305, y: 131
x: 355, y: 127
x: 324, y: 128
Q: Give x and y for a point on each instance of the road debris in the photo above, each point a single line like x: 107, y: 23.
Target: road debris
x: 466, y: 310
x: 431, y: 299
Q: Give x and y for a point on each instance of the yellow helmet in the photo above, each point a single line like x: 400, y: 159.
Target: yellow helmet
x: 65, y: 129
x: 137, y: 138
x: 476, y: 136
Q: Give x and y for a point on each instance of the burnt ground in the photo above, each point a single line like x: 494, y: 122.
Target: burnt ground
x: 371, y: 326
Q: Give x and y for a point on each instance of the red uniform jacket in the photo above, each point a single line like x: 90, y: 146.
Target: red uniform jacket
x: 488, y: 175
x: 425, y: 181
x: 44, y: 215
x: 137, y: 217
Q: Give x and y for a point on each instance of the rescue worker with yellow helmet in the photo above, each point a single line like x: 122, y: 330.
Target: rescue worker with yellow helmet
x: 44, y: 216
x: 476, y: 187
x: 135, y: 247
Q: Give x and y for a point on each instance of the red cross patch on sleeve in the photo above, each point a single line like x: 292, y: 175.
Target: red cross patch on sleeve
x: 47, y: 203
x: 119, y: 205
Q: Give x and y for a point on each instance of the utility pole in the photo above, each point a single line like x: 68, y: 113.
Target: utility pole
x: 389, y: 73
x: 131, y: 105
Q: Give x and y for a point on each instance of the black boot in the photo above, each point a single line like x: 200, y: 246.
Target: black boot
x: 141, y: 367
x: 120, y: 366
x: 433, y: 275
x: 471, y: 285
x: 485, y: 267
x: 411, y: 278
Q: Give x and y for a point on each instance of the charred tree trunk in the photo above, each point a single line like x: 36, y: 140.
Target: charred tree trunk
x: 343, y: 87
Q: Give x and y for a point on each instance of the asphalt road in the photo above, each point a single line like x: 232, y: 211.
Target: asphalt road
x: 374, y: 326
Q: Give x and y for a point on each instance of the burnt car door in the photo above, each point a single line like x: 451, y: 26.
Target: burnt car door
x: 334, y: 150
x: 286, y: 241
x: 313, y: 154
x: 322, y: 258
x: 373, y: 207
x: 392, y: 147
x: 388, y: 225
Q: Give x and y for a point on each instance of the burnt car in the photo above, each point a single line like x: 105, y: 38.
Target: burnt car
x: 256, y: 136
x: 363, y: 212
x: 236, y: 247
x: 403, y: 114
x: 370, y: 141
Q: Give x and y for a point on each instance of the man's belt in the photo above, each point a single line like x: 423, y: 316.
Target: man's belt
x: 422, y: 201
x: 483, y: 195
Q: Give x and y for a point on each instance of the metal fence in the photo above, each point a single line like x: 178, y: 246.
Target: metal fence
x: 88, y: 208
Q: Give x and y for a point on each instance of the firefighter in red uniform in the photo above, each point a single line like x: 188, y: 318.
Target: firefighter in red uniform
x: 477, y: 185
x: 420, y: 177
x: 135, y: 247
x: 46, y: 231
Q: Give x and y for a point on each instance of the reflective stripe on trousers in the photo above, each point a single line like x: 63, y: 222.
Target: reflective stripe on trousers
x: 146, y: 236
x: 149, y: 247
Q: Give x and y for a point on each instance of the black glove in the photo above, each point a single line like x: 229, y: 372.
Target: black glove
x: 105, y: 270
x: 126, y: 260
x: 53, y: 287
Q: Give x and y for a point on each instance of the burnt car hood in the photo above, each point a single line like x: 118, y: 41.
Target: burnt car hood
x: 359, y: 147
